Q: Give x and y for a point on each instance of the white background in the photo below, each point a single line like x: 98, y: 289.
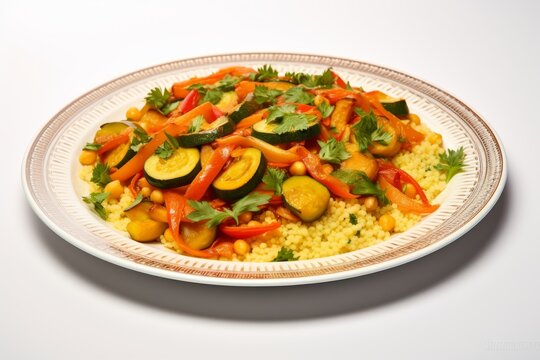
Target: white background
x: 477, y: 298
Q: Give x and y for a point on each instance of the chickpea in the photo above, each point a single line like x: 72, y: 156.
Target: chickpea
x: 298, y: 168
x: 133, y: 114
x: 414, y: 119
x: 387, y: 222
x: 245, y: 217
x: 241, y: 247
x: 253, y: 223
x: 157, y: 197
x: 371, y: 203
x: 146, y: 191
x: 327, y: 169
x: 434, y: 138
x: 87, y: 157
x: 115, y: 189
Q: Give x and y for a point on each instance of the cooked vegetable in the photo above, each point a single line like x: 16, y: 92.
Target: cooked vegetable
x: 305, y: 197
x: 361, y: 184
x: 341, y: 114
x: 396, y: 106
x: 208, y: 134
x: 242, y: 176
x: 115, y: 189
x: 368, y: 130
x: 228, y: 102
x: 274, y: 133
x: 360, y: 161
x: 245, y: 109
x: 333, y: 151
x: 271, y: 153
x: 246, y: 232
x: 403, y: 202
x: 95, y: 199
x: 178, y: 170
x: 100, y: 175
x: 87, y: 157
x: 451, y: 162
x: 197, y: 235
x: 273, y: 179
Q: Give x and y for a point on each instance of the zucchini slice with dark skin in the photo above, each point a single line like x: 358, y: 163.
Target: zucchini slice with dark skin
x: 220, y: 127
x: 178, y: 170
x: 247, y: 108
x: 197, y: 235
x: 242, y: 176
x: 396, y: 106
x: 120, y: 155
x: 305, y: 197
x: 264, y: 131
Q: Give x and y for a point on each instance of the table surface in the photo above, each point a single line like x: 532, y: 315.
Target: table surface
x: 476, y: 298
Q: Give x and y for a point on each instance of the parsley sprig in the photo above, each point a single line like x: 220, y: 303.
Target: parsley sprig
x: 263, y: 95
x: 166, y: 149
x: 451, y: 162
x: 159, y: 99
x: 367, y: 130
x: 298, y: 95
x: 204, y: 211
x: 285, y: 254
x: 274, y: 179
x: 196, y: 124
x: 95, y: 199
x: 333, y: 151
x: 92, y: 147
x: 326, y: 109
x: 264, y: 73
x: 325, y: 80
x: 100, y: 175
x: 140, y: 138
x: 287, y: 119
x: 361, y: 184
x: 213, y: 93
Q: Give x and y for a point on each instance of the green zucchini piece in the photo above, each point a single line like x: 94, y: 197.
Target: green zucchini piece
x: 197, y: 235
x: 396, y: 106
x: 248, y: 107
x: 220, y: 127
x: 178, y: 170
x: 305, y: 197
x: 242, y: 176
x: 264, y: 131
x: 120, y: 155
x: 228, y: 102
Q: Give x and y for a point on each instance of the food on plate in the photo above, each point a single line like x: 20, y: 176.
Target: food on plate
x: 252, y: 165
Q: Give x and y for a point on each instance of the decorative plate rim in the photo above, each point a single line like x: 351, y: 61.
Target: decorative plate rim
x: 289, y: 274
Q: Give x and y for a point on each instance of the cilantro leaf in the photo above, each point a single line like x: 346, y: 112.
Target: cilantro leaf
x: 287, y: 120
x: 274, y: 179
x: 212, y: 95
x: 158, y: 97
x: 381, y: 136
x: 451, y: 162
x: 92, y: 147
x: 361, y: 184
x: 353, y: 219
x: 325, y: 80
x: 266, y: 95
x: 368, y: 131
x: 168, y: 108
x: 100, y: 175
x: 264, y: 73
x: 250, y: 202
x: 172, y: 140
x: 228, y: 83
x: 326, y: 109
x: 140, y: 138
x: 285, y: 254
x: 278, y: 111
x: 195, y: 124
x: 96, y: 199
x: 135, y: 202
x: 333, y: 151
x: 298, y: 95
x: 166, y: 149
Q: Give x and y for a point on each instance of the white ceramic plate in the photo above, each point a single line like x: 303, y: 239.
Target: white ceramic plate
x: 53, y: 188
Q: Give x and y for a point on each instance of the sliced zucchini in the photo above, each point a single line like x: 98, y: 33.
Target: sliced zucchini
x: 197, y: 235
x: 242, y: 176
x: 120, y: 155
x: 228, y: 102
x: 396, y: 106
x: 220, y: 127
x: 264, y: 131
x: 178, y: 170
x: 305, y: 197
x: 245, y: 109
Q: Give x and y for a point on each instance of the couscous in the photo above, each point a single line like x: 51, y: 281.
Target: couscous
x: 250, y: 165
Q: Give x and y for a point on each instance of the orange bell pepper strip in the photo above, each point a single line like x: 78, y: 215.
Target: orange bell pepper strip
x: 175, y: 204
x: 403, y: 202
x: 174, y: 127
x: 204, y: 178
x: 335, y: 94
x: 243, y: 232
x: 245, y: 87
x: 114, y: 142
x: 388, y: 171
x: 252, y: 119
x: 314, y: 167
x: 271, y: 153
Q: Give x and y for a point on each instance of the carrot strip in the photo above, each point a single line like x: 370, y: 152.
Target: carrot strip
x: 252, y: 119
x: 403, y: 202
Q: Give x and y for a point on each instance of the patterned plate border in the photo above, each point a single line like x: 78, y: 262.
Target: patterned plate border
x: 50, y: 175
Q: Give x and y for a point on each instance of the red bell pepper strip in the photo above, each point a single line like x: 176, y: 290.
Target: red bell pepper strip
x: 244, y: 232
x: 314, y: 167
x: 113, y: 143
x: 388, y: 171
x: 339, y: 81
x: 204, y: 178
x: 133, y: 183
x: 190, y: 101
x: 175, y: 204
x: 216, y: 113
x: 403, y: 202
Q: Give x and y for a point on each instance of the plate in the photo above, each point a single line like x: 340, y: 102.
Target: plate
x: 53, y: 188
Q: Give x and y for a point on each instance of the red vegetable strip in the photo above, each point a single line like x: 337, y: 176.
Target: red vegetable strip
x: 189, y: 102
x: 403, y: 202
x: 243, y: 232
x: 204, y: 178
x: 133, y: 183
x: 339, y: 81
x: 314, y: 167
x: 386, y: 170
x: 175, y: 204
x: 113, y: 143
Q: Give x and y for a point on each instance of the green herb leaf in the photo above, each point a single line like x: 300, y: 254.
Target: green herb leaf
x: 266, y: 95
x: 96, y: 199
x: 228, y: 83
x: 287, y: 120
x: 326, y: 109
x: 167, y: 109
x: 381, y: 136
x: 135, y: 202
x: 285, y: 254
x: 349, y: 87
x: 361, y: 184
x: 212, y: 95
x: 333, y: 151
x: 100, y: 175
x: 172, y: 140
x: 367, y: 130
x: 451, y: 162
x: 92, y: 147
x: 264, y: 73
x: 250, y: 202
x: 195, y: 124
x: 325, y: 80
x: 274, y: 179
x: 140, y: 138
x: 297, y: 94
x: 278, y: 111
x: 165, y: 150
x: 157, y: 97
x: 353, y: 219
